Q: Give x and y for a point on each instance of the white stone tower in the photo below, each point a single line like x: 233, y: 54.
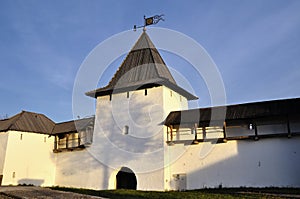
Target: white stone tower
x: 129, y: 135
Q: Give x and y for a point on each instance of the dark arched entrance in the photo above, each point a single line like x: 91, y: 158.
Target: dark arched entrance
x: 126, y: 179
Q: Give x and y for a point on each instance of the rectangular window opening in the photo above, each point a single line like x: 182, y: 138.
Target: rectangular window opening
x: 146, y: 92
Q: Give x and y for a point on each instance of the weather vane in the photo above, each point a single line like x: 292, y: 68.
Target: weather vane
x: 150, y: 21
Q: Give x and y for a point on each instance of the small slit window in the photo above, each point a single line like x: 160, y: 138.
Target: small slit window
x: 171, y: 93
x: 110, y: 97
x: 126, y: 130
x: 146, y: 92
x: 250, y: 126
x: 127, y: 94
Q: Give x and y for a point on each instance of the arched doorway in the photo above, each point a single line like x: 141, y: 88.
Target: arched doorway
x: 126, y: 179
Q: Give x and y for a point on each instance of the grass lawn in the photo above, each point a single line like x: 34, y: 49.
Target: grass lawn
x: 204, y: 193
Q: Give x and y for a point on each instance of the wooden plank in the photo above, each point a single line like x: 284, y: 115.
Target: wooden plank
x: 195, y: 131
x: 203, y: 132
x: 256, y: 133
x: 55, y: 142
x: 67, y: 141
x: 289, y: 127
x: 79, y: 138
x: 170, y: 143
x: 224, y: 132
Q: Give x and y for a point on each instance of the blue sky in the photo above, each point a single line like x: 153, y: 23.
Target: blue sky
x: 255, y: 45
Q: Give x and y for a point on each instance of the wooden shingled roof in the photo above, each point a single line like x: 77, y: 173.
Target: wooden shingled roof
x: 143, y: 67
x: 232, y: 113
x: 28, y: 122
x: 73, y: 126
x: 39, y: 123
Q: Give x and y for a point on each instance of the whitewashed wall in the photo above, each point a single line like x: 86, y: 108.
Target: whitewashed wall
x: 78, y: 169
x: 172, y: 102
x: 141, y: 150
x: 3, y: 144
x: 29, y: 159
x: 248, y: 163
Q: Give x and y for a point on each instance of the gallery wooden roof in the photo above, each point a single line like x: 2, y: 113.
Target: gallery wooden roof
x: 143, y: 67
x: 28, y: 122
x: 39, y: 123
x: 247, y: 111
x: 73, y: 126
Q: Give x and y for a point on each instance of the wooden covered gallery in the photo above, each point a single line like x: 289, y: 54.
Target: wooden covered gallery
x: 73, y: 134
x: 278, y: 118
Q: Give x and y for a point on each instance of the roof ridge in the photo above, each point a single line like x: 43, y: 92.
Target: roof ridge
x: 119, y: 68
x: 149, y: 42
x: 128, y: 53
x: 85, y: 118
x: 39, y: 114
x: 132, y: 50
x: 155, y: 68
x: 16, y: 119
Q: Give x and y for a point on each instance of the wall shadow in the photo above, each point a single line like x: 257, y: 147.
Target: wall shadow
x: 270, y: 162
x: 30, y: 181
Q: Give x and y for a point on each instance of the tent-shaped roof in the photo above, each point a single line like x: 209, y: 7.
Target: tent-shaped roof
x: 142, y: 68
x: 28, y: 122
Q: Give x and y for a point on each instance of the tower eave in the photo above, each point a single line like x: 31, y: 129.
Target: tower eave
x: 142, y: 85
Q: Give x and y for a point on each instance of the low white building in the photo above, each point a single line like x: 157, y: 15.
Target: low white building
x: 140, y: 138
x: 26, y: 150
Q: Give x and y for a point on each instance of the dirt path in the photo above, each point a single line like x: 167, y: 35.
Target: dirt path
x: 18, y: 192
